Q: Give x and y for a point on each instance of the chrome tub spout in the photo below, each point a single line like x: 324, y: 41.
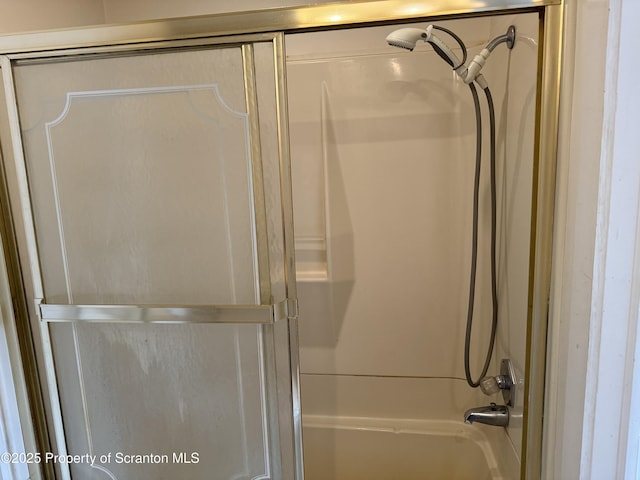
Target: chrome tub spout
x: 496, y: 415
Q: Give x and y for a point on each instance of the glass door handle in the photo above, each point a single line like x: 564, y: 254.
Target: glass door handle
x: 252, y: 314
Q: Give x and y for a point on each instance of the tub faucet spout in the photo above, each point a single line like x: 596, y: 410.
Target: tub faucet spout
x: 496, y: 415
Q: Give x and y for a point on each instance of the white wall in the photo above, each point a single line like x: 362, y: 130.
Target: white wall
x: 130, y: 11
x: 515, y: 106
x: 383, y: 145
x: 28, y: 15
x: 574, y: 243
x: 397, y: 210
x: 625, y: 146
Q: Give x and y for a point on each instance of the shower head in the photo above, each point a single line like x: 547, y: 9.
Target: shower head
x: 407, y: 38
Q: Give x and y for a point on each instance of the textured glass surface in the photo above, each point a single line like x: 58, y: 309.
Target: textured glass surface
x: 141, y: 181
x: 142, y: 177
x: 190, y: 395
x: 265, y: 89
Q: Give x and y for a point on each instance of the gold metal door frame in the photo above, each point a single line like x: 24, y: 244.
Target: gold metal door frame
x: 542, y: 215
x: 321, y: 16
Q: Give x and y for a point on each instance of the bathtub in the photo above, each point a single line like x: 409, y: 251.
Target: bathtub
x: 359, y: 448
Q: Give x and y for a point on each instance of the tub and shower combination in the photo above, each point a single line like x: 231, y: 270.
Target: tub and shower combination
x: 392, y: 210
x: 383, y: 145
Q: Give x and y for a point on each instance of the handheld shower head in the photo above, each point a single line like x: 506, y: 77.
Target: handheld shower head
x: 407, y: 38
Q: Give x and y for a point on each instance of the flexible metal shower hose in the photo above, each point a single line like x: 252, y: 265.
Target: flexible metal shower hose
x: 474, y: 242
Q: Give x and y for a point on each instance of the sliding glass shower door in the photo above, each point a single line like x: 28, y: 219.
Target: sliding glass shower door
x: 152, y: 199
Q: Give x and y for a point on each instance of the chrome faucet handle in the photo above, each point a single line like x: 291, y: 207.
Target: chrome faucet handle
x: 489, y: 385
x: 492, y: 385
x: 506, y: 382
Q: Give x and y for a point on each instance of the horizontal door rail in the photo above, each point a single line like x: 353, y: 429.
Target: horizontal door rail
x: 249, y: 314
x: 299, y: 18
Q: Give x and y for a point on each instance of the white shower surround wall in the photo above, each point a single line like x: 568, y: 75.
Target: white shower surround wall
x: 383, y: 146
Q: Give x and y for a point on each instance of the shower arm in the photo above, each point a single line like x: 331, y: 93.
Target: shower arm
x: 472, y: 73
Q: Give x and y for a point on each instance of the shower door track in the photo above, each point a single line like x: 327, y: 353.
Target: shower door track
x: 287, y: 19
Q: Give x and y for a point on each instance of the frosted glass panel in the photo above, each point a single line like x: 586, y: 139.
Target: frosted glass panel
x: 191, y: 396
x: 271, y: 168
x: 142, y: 187
x: 155, y: 179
